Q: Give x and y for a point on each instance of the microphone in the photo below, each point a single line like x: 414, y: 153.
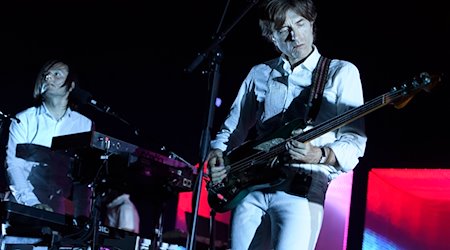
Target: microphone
x: 6, y: 116
x: 44, y: 87
x: 84, y: 97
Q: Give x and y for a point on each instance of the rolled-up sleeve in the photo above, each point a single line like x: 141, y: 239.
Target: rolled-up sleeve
x: 18, y: 169
x: 351, y: 139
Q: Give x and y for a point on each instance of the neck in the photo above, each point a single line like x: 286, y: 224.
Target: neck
x: 295, y: 64
x: 57, y: 107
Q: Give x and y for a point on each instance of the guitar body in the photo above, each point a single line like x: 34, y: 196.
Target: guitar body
x: 260, y: 175
x: 246, y: 174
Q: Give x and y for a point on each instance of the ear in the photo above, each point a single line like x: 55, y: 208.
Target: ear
x: 274, y: 41
x: 72, y: 86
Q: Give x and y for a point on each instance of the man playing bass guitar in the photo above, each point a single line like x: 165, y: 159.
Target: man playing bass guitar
x: 278, y: 192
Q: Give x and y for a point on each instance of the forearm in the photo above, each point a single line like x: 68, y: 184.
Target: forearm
x: 20, y: 187
x: 347, y: 152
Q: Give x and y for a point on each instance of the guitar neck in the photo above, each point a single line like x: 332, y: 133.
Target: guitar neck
x: 267, y: 149
x: 350, y: 115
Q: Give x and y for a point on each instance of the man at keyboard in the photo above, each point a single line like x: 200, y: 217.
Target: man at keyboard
x: 41, y: 178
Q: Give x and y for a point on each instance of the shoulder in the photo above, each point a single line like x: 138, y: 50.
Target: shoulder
x: 339, y: 66
x: 267, y: 65
x: 78, y: 115
x: 29, y: 112
x: 344, y: 76
x: 266, y: 68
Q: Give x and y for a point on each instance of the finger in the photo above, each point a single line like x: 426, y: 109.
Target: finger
x: 293, y: 144
x: 219, y: 173
x: 212, y: 161
x: 218, y: 176
x: 220, y: 161
x: 290, y: 145
x: 217, y: 168
x: 44, y: 207
x: 299, y: 145
x: 217, y: 179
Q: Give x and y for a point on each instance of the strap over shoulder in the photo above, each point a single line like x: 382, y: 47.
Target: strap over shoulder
x: 319, y: 79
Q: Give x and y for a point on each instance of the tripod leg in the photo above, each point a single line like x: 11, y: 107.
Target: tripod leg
x: 212, y: 230
x: 158, y: 237
x: 95, y: 220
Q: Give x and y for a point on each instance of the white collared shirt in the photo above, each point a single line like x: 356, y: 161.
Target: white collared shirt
x: 262, y: 97
x: 36, y: 126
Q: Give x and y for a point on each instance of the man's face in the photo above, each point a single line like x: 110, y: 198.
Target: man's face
x: 54, y: 79
x: 295, y: 38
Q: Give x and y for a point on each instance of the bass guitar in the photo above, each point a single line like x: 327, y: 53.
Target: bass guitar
x: 252, y: 164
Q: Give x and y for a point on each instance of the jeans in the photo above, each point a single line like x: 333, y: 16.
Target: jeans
x: 275, y: 220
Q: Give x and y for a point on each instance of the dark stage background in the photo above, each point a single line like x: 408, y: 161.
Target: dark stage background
x: 131, y: 55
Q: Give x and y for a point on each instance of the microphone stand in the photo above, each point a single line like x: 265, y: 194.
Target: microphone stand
x: 118, y: 117
x: 215, y: 53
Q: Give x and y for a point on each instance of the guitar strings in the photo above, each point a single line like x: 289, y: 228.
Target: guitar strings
x: 380, y: 101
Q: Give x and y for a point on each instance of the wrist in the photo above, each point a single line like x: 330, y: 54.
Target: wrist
x: 324, y: 155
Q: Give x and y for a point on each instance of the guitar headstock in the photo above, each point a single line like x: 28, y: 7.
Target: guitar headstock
x: 424, y: 81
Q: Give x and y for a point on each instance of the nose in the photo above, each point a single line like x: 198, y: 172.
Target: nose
x: 292, y: 34
x: 48, y: 77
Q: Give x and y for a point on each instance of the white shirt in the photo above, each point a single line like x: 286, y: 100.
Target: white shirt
x: 261, y: 97
x: 36, y: 126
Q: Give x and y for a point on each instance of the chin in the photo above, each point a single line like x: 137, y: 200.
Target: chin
x: 297, y: 56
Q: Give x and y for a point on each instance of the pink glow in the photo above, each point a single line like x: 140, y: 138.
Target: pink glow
x: 333, y: 235
x: 336, y: 215
x: 185, y: 206
x: 409, y: 208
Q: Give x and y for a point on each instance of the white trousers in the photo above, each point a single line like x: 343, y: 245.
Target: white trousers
x: 277, y: 221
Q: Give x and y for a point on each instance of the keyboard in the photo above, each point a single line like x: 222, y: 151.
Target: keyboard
x: 32, y: 221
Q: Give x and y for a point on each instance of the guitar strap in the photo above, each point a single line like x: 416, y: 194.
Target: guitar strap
x: 319, y: 79
x: 303, y: 108
x: 300, y: 183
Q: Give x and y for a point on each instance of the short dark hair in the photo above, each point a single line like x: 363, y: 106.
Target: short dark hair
x: 273, y: 13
